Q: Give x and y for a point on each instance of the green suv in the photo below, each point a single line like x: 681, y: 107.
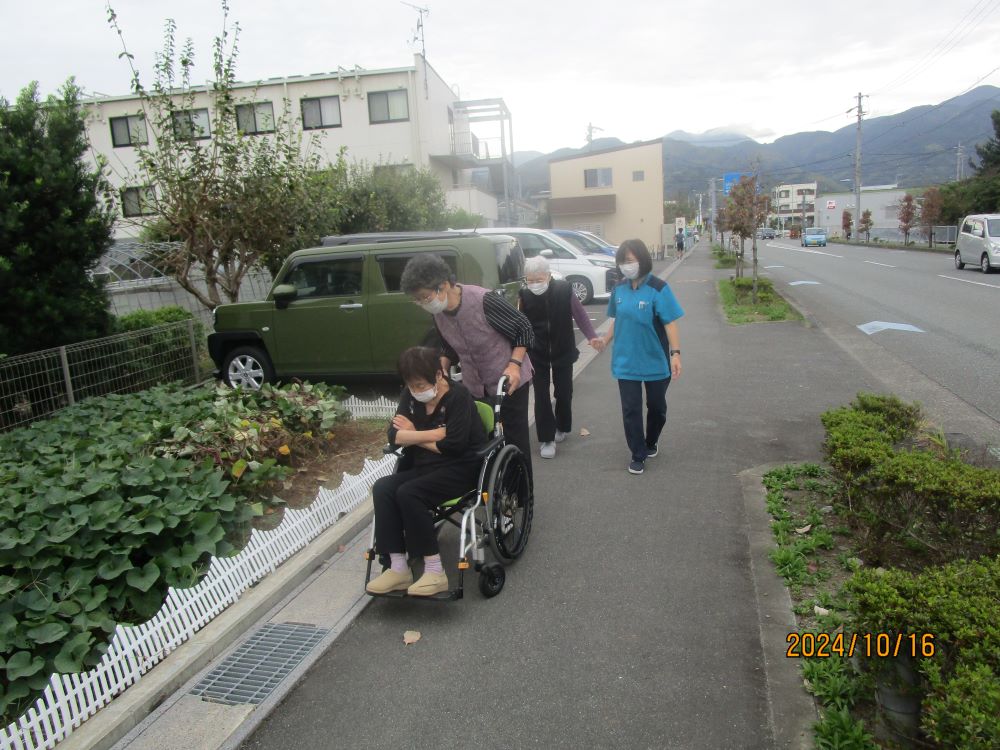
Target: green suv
x: 338, y: 311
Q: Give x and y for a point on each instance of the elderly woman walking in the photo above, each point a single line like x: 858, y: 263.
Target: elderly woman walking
x: 646, y: 351
x: 484, y: 332
x: 552, y: 307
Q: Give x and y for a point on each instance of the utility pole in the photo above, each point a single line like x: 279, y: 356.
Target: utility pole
x: 590, y: 132
x: 959, y: 172
x: 857, y: 160
x: 418, y: 36
x: 711, y: 193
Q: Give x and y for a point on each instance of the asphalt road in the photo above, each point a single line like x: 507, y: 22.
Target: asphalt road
x: 957, y: 311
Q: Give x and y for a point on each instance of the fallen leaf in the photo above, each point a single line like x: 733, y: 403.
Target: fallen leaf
x: 411, y: 636
x: 284, y: 450
x: 812, y: 567
x: 584, y: 432
x: 804, y: 529
x: 820, y: 611
x: 342, y: 548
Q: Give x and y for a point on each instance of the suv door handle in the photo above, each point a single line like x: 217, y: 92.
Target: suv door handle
x: 352, y: 306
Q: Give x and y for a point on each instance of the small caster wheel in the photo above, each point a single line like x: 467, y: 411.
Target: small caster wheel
x: 491, y: 579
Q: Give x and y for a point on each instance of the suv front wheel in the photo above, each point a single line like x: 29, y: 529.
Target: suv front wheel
x: 247, y: 367
x: 984, y: 264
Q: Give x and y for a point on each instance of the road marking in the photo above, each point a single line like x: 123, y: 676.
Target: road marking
x: 966, y: 281
x: 886, y: 265
x: 880, y: 325
x: 800, y: 283
x: 805, y: 250
x: 773, y: 266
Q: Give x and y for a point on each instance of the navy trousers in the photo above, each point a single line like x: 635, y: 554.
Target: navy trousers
x: 642, y: 438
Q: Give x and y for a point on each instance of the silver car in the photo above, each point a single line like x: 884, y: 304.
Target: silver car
x: 979, y: 242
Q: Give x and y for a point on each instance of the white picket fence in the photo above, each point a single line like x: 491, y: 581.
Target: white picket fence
x: 71, y: 699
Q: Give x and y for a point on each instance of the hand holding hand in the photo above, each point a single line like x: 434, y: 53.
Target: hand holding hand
x: 402, y: 423
x: 597, y: 344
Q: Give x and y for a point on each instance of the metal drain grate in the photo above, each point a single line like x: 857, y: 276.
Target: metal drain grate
x: 251, y: 672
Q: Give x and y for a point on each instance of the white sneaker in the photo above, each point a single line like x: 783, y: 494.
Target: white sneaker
x: 560, y: 436
x: 548, y: 450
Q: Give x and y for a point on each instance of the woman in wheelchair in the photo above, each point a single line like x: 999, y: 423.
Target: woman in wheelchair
x: 438, y: 424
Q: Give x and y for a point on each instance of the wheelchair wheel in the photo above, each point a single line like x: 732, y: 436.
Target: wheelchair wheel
x: 491, y: 580
x: 511, y: 504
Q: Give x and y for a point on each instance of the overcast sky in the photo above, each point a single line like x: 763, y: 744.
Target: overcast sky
x: 638, y: 69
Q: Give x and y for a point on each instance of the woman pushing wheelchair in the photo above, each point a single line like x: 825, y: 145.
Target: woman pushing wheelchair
x: 438, y: 423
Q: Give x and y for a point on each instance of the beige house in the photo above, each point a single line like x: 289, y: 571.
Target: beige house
x: 615, y: 193
x: 397, y: 117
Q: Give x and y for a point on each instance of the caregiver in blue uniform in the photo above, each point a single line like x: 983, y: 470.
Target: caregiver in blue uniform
x: 646, y: 350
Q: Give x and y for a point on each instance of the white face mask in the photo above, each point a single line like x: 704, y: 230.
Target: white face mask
x: 424, y: 396
x: 629, y: 270
x: 540, y: 288
x: 435, y: 305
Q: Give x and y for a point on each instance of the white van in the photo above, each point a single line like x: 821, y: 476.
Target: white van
x: 592, y: 276
x: 978, y: 242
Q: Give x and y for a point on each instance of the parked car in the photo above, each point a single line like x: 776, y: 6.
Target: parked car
x: 589, y: 243
x: 337, y: 310
x: 813, y: 236
x: 765, y: 233
x: 979, y: 242
x: 591, y: 275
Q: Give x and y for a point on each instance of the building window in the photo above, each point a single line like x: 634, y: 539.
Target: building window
x: 639, y: 175
x: 192, y: 124
x: 323, y: 112
x: 785, y: 194
x: 138, y: 201
x: 255, y: 118
x: 597, y: 178
x: 128, y: 131
x: 388, y: 106
x: 805, y: 191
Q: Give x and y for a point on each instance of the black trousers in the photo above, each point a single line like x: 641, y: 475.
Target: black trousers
x: 403, y: 503
x: 514, y: 415
x: 640, y: 440
x: 547, y: 422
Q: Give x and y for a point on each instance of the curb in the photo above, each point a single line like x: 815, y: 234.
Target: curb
x: 791, y: 711
x: 128, y: 710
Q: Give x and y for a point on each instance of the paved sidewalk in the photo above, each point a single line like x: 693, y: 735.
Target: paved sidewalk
x: 633, y: 618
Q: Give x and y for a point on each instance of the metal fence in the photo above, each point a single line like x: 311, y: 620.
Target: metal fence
x: 38, y: 384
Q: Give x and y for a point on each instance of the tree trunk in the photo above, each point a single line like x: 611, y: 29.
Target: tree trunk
x: 754, y: 268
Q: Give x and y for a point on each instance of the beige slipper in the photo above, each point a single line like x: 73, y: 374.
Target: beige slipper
x: 390, y: 580
x: 429, y: 584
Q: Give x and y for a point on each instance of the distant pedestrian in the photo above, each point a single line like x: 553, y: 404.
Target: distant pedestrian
x: 680, y: 243
x: 552, y: 307
x: 646, y: 350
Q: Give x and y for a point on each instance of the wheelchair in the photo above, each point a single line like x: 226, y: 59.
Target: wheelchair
x: 497, y: 513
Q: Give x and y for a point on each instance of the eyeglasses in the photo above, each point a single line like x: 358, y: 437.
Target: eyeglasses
x: 428, y: 298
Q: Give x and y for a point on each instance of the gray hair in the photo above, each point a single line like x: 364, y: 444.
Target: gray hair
x: 538, y: 264
x: 425, y: 271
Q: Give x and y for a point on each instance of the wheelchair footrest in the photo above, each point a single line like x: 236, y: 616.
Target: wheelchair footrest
x: 444, y: 596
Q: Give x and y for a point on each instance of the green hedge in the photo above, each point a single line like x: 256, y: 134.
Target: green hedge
x: 957, y: 603
x: 916, y: 504
x: 110, y: 502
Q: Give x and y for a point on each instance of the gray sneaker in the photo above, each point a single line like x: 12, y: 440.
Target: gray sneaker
x: 560, y: 436
x: 548, y: 450
x: 636, y: 467
x: 651, y: 451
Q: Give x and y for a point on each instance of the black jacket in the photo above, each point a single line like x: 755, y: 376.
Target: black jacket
x: 552, y: 321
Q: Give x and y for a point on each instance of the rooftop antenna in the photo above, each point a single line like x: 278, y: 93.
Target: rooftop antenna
x: 590, y: 132
x: 418, y: 36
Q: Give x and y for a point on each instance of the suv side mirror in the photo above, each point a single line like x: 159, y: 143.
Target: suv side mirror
x: 283, y: 294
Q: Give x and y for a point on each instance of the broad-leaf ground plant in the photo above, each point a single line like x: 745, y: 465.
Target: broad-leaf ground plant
x: 105, y: 506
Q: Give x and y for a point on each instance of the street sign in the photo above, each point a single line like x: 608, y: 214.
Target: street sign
x: 831, y: 205
x: 731, y: 178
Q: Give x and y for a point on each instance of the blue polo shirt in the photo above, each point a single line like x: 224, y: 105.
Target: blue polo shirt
x: 639, y: 349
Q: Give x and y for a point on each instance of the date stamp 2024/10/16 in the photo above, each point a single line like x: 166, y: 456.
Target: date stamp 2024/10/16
x: 825, y: 645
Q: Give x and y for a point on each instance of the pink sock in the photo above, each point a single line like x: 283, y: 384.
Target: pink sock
x: 432, y: 564
x: 397, y: 562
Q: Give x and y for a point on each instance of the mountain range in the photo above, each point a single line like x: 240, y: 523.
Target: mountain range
x: 914, y: 148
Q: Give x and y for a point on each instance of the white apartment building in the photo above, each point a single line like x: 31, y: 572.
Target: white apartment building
x: 395, y: 116
x: 793, y: 204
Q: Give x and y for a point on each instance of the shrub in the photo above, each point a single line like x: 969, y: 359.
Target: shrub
x: 958, y: 604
